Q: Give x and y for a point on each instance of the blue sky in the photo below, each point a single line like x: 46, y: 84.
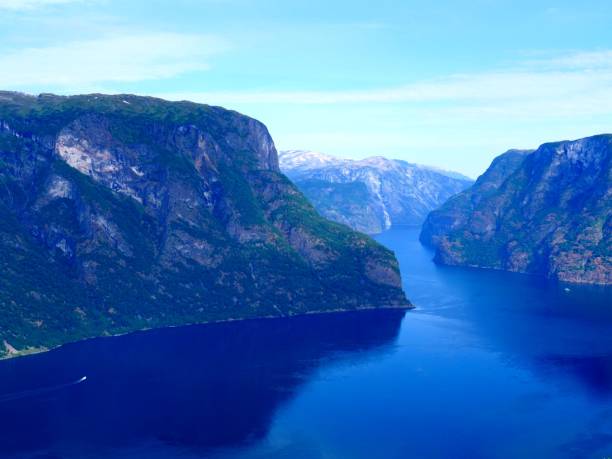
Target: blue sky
x: 446, y: 83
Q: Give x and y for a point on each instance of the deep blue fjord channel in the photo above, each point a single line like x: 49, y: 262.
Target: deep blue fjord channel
x: 489, y: 365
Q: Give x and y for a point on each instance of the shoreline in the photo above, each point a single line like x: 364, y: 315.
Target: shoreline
x: 534, y: 275
x: 36, y: 351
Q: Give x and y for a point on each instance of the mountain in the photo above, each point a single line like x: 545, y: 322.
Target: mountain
x: 120, y: 213
x: 372, y: 194
x: 547, y: 212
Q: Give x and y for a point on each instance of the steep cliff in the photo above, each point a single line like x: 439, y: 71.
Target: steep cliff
x: 547, y: 212
x: 372, y: 194
x: 120, y: 213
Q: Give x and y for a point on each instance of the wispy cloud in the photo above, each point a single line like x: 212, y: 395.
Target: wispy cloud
x: 28, y: 5
x: 472, y: 87
x: 123, y: 58
x: 578, y: 60
x: 571, y: 84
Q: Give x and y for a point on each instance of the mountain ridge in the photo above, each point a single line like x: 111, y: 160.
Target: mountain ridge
x: 370, y: 194
x: 122, y: 213
x: 547, y: 211
x: 309, y: 159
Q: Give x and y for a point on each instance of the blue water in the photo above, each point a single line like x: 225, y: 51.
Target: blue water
x: 489, y: 365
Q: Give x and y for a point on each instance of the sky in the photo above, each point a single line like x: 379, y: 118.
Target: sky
x: 446, y: 83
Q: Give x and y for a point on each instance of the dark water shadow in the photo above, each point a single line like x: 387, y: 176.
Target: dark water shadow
x: 194, y: 387
x: 560, y: 332
x: 562, y: 336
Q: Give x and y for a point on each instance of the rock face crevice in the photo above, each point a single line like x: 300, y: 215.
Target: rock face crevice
x: 546, y: 212
x: 121, y: 216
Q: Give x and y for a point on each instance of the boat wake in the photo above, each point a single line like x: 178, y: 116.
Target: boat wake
x: 32, y: 393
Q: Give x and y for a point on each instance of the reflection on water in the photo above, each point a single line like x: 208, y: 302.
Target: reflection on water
x: 196, y: 387
x: 489, y: 365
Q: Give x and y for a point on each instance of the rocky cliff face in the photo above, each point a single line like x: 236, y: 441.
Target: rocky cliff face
x: 373, y: 194
x: 547, y: 212
x: 120, y: 213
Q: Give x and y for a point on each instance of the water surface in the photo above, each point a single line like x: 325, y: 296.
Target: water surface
x: 489, y: 365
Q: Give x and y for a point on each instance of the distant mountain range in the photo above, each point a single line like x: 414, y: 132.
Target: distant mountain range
x: 547, y: 211
x: 372, y: 194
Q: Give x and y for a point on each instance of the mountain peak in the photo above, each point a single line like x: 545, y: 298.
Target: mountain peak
x: 545, y: 211
x: 119, y: 213
x: 370, y: 194
x: 305, y: 159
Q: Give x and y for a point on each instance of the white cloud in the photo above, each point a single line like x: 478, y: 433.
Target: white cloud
x: 26, y: 5
x: 579, y: 60
x: 122, y: 58
x: 568, y: 85
x: 471, y: 87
